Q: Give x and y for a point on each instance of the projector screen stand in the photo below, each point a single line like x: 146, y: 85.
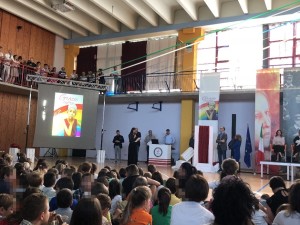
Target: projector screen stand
x: 51, y: 152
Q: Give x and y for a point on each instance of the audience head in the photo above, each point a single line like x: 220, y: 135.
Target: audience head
x: 36, y: 209
x: 230, y: 167
x: 8, y: 159
x: 151, y: 168
x: 60, y: 167
x: 114, y: 188
x: 132, y: 170
x: 186, y: 170
x: 98, y: 188
x: 64, y: 182
x: 232, y: 202
x: 6, y: 204
x: 122, y: 172
x: 77, y: 178
x: 171, y: 184
x: 282, y: 207
x: 49, y: 179
x: 6, y: 172
x: 276, y: 182
x: 67, y: 172
x: 139, y: 197
x: 87, y: 212
x: 41, y: 165
x: 103, y: 172
x: 141, y: 171
x: 158, y: 177
x: 31, y: 190
x: 196, y: 188
x: 140, y: 181
x: 105, y: 203
x: 86, y: 182
x: 64, y: 198
x: 148, y: 175
x: 103, y: 180
x: 294, y: 197
x: 35, y: 179
x: 94, y: 168
x: 53, y: 170
x: 86, y: 167
x: 164, y: 198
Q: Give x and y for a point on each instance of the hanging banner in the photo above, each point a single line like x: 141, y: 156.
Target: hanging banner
x: 209, y: 95
x: 291, y: 106
x: 267, y: 112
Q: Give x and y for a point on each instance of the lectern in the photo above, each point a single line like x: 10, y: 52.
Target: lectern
x: 160, y: 155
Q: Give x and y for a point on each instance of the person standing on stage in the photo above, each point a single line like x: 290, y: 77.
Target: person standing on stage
x: 169, y: 139
x: 118, y: 140
x: 134, y: 144
x: 138, y: 142
x: 147, y: 140
x: 222, y: 146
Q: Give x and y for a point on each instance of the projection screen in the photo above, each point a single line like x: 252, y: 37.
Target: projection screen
x: 66, y: 117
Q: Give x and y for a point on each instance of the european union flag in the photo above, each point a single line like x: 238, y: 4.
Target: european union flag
x: 248, y: 149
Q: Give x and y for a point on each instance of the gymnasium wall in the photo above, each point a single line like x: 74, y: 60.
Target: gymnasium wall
x: 29, y: 41
x: 117, y: 116
x: 13, y: 117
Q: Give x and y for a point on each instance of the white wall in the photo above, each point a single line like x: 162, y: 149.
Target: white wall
x: 118, y: 117
x: 59, y: 53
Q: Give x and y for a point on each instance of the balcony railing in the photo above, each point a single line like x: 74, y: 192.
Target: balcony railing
x: 185, y: 81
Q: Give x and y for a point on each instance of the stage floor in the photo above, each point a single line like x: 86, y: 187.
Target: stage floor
x: 254, y: 180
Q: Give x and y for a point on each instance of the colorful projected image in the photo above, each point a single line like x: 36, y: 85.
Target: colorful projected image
x: 67, y: 115
x: 209, y: 110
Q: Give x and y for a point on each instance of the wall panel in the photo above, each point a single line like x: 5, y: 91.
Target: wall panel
x: 13, y: 114
x: 29, y: 41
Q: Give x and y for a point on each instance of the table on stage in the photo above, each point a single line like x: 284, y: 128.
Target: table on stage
x: 289, y: 165
x: 160, y: 155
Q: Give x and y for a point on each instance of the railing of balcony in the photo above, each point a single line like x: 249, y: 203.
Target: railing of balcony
x: 185, y: 81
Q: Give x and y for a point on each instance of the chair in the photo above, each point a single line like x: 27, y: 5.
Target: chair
x: 296, y: 156
x: 274, y: 154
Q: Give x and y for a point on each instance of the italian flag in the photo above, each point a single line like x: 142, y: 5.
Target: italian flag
x: 260, y: 154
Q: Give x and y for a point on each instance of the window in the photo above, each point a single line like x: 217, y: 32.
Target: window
x: 284, y: 45
x: 236, y: 54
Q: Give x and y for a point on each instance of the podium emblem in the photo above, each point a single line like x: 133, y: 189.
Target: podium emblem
x: 158, y: 152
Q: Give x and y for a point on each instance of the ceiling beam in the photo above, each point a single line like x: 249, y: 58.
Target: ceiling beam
x: 35, y: 18
x: 144, y: 11
x: 77, y: 17
x: 162, y: 10
x: 97, y: 14
x: 53, y: 16
x: 214, y: 6
x: 268, y: 4
x: 190, y: 8
x: 119, y: 10
x: 244, y: 6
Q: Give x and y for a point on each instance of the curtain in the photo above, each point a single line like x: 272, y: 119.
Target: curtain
x: 86, y: 60
x: 108, y: 56
x: 203, y: 144
x: 158, y: 70
x: 133, y: 78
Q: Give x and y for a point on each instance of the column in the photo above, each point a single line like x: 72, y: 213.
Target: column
x: 187, y: 60
x: 71, y: 52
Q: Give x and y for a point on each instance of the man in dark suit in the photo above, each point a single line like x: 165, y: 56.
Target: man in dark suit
x: 222, y: 146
